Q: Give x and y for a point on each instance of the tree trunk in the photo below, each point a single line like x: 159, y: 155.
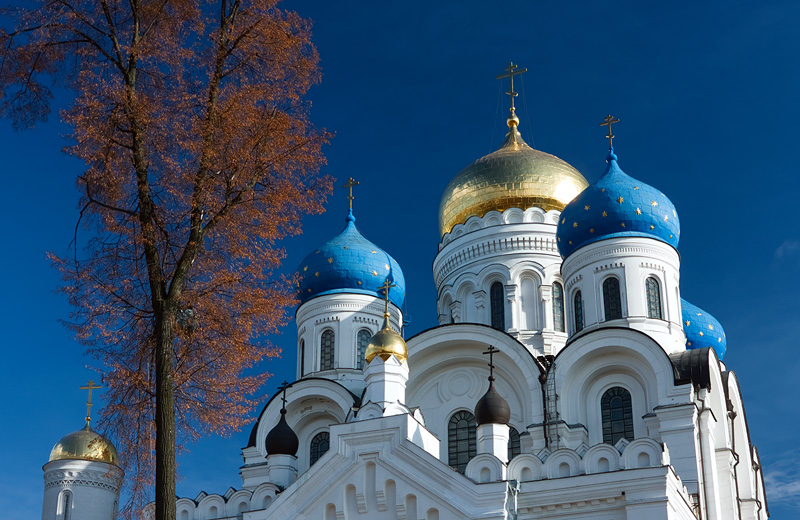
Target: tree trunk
x: 165, y: 417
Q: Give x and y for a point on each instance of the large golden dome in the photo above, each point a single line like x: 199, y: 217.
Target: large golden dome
x: 515, y: 176
x: 85, y: 444
x: 386, y: 343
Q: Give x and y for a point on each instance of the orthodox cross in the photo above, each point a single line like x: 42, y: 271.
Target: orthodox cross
x: 491, y: 352
x: 511, y: 71
x: 349, y: 184
x: 608, y: 121
x: 386, y: 286
x: 283, y: 388
x: 89, y: 386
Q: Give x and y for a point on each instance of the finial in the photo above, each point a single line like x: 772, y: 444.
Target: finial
x: 511, y: 71
x: 89, y: 386
x: 491, y: 352
x: 283, y: 388
x: 385, y: 287
x: 349, y: 184
x: 608, y: 121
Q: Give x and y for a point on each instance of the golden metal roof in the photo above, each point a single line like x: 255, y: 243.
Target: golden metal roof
x: 515, y: 176
x: 85, y: 444
x: 386, y: 343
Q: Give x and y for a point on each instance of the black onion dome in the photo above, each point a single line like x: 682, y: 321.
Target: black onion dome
x: 492, y: 408
x: 282, y: 440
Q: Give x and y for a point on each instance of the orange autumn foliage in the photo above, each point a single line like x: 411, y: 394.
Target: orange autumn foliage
x: 199, y: 157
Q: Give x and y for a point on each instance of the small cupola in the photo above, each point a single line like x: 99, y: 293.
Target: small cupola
x: 702, y: 329
x: 282, y: 440
x: 492, y: 408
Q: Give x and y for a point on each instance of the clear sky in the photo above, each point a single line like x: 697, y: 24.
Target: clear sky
x: 707, y: 97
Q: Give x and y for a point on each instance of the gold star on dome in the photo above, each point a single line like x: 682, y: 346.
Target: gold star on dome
x: 316, y: 274
x: 305, y: 268
x: 710, y: 327
x: 636, y: 187
x: 587, y: 207
x: 570, y: 242
x: 359, y: 282
x: 559, y: 239
x: 688, y: 343
x: 622, y: 224
x: 653, y: 203
x: 317, y: 251
x: 374, y: 273
x: 652, y: 227
x: 666, y: 218
x: 699, y: 313
x: 330, y: 260
x: 345, y: 247
x: 563, y: 220
x: 374, y: 252
x: 620, y: 200
x: 602, y: 190
x: 574, y: 224
x: 386, y: 266
x: 605, y: 214
x: 638, y: 211
x: 591, y: 230
x: 701, y: 333
x: 687, y: 323
x: 719, y: 340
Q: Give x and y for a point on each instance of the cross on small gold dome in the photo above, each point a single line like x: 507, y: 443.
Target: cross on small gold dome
x: 511, y: 71
x: 385, y: 287
x: 349, y: 184
x: 608, y: 121
x: 89, y: 386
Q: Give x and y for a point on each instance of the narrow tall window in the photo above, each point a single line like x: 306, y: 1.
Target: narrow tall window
x: 497, y: 297
x: 617, y: 413
x: 514, y: 447
x: 319, y: 445
x: 461, y: 440
x: 302, y: 357
x: 578, y: 312
x: 612, y: 302
x: 326, y: 350
x: 558, y: 307
x: 363, y: 340
x: 653, y: 298
x: 66, y: 505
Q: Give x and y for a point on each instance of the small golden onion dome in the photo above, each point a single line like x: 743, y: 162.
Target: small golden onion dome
x: 386, y: 343
x: 515, y: 176
x: 85, y: 444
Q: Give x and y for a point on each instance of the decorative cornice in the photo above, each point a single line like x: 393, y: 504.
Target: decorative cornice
x: 606, y: 267
x: 578, y: 260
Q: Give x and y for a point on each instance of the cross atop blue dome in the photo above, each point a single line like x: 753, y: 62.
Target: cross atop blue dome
x: 617, y: 205
x: 349, y: 263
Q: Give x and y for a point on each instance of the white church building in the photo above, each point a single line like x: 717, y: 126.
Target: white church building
x: 567, y: 379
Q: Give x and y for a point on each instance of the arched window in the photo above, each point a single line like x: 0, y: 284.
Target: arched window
x: 612, y: 302
x: 461, y: 440
x: 653, y: 297
x: 578, y: 303
x: 361, y: 348
x: 302, y: 357
x: 514, y: 448
x: 558, y: 307
x: 617, y: 413
x: 66, y: 505
x: 496, y: 298
x: 326, y: 350
x: 319, y: 445
x: 529, y: 303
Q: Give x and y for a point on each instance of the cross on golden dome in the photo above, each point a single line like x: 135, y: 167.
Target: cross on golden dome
x: 385, y: 287
x: 89, y: 386
x: 349, y: 184
x: 511, y: 71
x: 608, y: 121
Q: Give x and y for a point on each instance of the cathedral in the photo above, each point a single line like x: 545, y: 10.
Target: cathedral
x: 567, y: 377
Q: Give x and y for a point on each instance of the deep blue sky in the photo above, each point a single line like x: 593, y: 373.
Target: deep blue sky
x: 707, y: 94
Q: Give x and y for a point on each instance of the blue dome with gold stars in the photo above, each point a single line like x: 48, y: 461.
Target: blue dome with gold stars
x: 617, y: 205
x: 702, y: 329
x: 349, y: 263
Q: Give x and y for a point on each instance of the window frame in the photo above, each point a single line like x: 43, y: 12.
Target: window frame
x: 579, y: 317
x: 455, y: 439
x: 362, y: 349
x: 559, y: 323
x: 497, y: 305
x: 327, y: 359
x: 614, y: 429
x: 314, y: 450
x: 609, y: 303
x: 654, y: 299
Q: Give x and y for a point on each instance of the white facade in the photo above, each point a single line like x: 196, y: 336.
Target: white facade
x: 81, y: 490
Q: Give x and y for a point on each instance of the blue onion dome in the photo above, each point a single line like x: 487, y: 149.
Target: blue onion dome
x: 515, y: 176
x: 617, y: 205
x: 281, y: 440
x: 702, y: 329
x: 349, y: 263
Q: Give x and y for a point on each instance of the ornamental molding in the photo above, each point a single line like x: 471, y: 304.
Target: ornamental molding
x: 652, y: 266
x: 364, y: 319
x: 326, y: 319
x: 581, y: 261
x: 575, y: 279
x: 607, y: 267
x: 493, y: 247
x: 374, y: 306
x: 68, y: 483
